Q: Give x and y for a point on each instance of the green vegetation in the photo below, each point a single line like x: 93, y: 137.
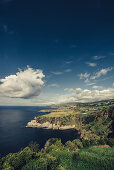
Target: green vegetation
x: 56, y: 156
x: 72, y: 109
x: 93, y: 151
x: 93, y: 120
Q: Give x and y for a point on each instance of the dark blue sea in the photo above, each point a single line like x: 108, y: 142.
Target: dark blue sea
x: 14, y: 135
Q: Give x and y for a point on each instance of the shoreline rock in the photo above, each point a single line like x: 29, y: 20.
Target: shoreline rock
x: 48, y: 125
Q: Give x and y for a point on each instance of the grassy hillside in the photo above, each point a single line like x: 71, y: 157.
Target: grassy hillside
x: 93, y: 124
x: 56, y: 156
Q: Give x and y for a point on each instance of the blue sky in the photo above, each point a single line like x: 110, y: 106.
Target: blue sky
x: 70, y: 42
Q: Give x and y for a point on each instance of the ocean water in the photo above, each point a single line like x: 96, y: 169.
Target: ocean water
x: 14, y: 135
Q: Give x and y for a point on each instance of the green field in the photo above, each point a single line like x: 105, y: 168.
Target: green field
x: 84, y: 108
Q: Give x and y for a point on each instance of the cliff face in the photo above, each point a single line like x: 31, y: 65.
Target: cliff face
x: 48, y: 125
x: 90, y: 126
x: 110, y: 112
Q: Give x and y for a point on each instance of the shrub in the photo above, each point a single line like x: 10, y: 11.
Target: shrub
x: 94, y: 142
x: 102, y: 141
x: 78, y: 143
x: 110, y: 142
x: 75, y: 156
x: 46, y: 162
x: 40, y: 164
x: 7, y: 166
x: 34, y: 146
x: 53, y: 141
x: 51, y: 161
x: 17, y: 160
x: 74, y: 145
x: 86, y: 143
x: 70, y: 146
x: 14, y: 160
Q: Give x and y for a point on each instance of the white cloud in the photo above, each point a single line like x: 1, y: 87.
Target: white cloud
x: 84, y: 76
x: 97, y: 87
x: 69, y: 89
x: 87, y: 77
x: 57, y: 73
x: 90, y: 84
x: 68, y: 70
x: 91, y: 64
x: 24, y: 84
x: 68, y: 62
x: 101, y: 72
x: 86, y: 81
x: 98, y: 57
x: 53, y: 85
x: 84, y: 96
x: 61, y: 72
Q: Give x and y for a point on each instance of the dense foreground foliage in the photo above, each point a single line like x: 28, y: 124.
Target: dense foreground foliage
x: 75, y: 155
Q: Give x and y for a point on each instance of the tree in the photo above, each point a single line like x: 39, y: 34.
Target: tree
x: 34, y: 146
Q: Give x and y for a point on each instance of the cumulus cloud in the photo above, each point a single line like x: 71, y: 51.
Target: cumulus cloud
x: 84, y: 96
x: 98, y: 57
x: 91, y: 64
x: 101, y: 72
x: 24, y: 84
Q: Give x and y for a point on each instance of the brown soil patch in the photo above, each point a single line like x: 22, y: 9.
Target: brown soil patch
x: 104, y: 146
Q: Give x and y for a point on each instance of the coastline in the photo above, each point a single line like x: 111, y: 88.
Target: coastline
x: 48, y: 125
